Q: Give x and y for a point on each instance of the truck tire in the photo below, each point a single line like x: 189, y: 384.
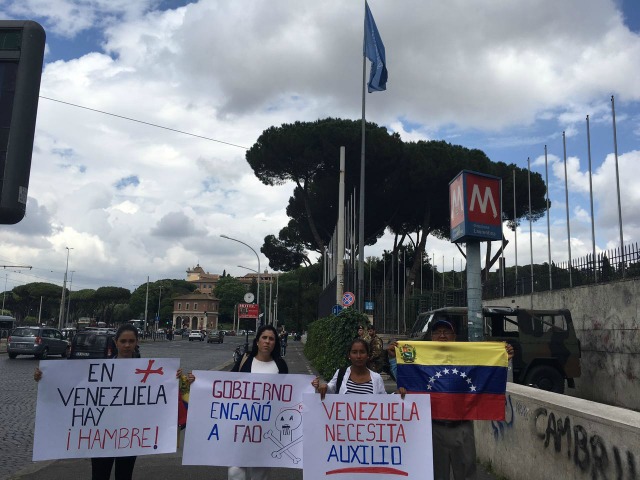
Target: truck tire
x: 545, y: 377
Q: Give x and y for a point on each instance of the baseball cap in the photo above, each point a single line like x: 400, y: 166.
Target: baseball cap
x: 443, y: 323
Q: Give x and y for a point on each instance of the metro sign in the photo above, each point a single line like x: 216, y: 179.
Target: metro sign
x: 475, y: 207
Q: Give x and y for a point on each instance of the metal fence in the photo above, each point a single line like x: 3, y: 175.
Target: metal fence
x: 610, y: 265
x: 395, y: 312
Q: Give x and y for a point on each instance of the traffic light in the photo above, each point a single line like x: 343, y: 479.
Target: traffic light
x: 21, y: 56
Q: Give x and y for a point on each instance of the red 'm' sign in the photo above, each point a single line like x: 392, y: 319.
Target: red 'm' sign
x: 475, y: 207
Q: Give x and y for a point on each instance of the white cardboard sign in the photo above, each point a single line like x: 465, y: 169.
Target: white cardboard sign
x: 245, y: 419
x: 367, y: 437
x: 106, y: 408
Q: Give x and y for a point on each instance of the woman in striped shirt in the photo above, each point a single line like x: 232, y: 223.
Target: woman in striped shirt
x: 355, y: 379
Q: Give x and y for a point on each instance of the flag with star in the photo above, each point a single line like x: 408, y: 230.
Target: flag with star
x: 466, y: 380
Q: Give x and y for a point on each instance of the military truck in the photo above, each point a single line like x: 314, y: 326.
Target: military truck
x: 547, y: 352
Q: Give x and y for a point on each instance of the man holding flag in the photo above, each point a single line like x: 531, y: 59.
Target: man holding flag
x: 446, y: 374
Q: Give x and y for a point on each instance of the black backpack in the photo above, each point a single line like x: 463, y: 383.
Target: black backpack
x: 341, y: 372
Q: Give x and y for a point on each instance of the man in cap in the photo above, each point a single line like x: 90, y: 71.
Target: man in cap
x: 454, y: 444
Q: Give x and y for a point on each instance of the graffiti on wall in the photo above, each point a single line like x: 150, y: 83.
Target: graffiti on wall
x: 588, y: 451
x: 500, y: 427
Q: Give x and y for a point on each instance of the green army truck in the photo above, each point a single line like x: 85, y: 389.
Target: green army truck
x: 547, y: 351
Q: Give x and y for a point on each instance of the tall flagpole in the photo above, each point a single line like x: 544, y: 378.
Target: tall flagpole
x: 593, y: 228
x: 566, y: 196
x: 546, y: 179
x: 515, y: 227
x: 362, y: 156
x: 615, y: 151
x: 530, y: 226
x: 502, y: 264
x: 341, y: 229
x: 373, y: 49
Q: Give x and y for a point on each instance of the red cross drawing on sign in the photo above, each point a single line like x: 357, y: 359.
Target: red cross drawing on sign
x: 148, y: 371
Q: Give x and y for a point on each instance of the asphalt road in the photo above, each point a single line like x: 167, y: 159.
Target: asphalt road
x: 18, y: 391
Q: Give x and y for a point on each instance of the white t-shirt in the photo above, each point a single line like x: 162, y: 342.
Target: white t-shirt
x: 258, y: 366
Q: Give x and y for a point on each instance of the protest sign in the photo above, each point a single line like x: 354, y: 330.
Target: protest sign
x: 373, y: 436
x: 245, y: 420
x: 106, y: 408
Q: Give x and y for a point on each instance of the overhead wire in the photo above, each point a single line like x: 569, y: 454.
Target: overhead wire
x: 145, y: 123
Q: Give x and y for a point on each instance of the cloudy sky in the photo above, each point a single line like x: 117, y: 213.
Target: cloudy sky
x: 131, y: 200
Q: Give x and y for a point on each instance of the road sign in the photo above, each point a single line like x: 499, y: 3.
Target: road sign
x: 247, y: 310
x: 336, y: 309
x: 368, y: 306
x: 348, y: 299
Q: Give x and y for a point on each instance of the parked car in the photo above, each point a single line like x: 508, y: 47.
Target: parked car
x: 215, y: 336
x: 185, y: 333
x: 92, y: 344
x: 196, y: 335
x: 37, y: 341
x: 547, y: 351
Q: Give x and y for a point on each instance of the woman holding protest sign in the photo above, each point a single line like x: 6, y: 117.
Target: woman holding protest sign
x: 263, y: 358
x: 356, y: 378
x: 126, y: 339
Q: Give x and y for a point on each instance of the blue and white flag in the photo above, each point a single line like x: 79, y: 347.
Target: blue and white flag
x: 374, y: 51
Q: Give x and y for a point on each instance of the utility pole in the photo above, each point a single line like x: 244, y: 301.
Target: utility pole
x: 158, y: 317
x: 146, y: 309
x: 66, y: 322
x: 64, y: 288
x: 6, y: 277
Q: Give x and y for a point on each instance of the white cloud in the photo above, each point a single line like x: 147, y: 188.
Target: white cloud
x: 133, y: 200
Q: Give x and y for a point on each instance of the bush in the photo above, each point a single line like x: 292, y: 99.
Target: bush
x: 329, y: 338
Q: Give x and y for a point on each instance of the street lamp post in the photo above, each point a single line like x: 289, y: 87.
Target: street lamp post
x: 64, y: 287
x: 66, y: 322
x: 256, y: 253
x: 4, y: 294
x: 158, y: 317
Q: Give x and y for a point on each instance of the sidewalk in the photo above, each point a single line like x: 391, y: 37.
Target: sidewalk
x: 169, y: 466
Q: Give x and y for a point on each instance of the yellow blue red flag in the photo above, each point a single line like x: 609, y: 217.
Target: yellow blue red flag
x: 466, y: 380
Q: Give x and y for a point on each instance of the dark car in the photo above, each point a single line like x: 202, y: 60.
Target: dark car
x: 215, y: 336
x: 93, y: 344
x: 37, y: 341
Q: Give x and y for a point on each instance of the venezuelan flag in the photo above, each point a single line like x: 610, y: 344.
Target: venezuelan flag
x: 466, y: 380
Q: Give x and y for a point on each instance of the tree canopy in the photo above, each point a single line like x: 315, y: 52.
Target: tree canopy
x: 307, y: 154
x: 407, y: 186
x: 229, y: 291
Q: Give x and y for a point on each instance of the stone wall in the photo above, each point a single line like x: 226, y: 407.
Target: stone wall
x: 546, y: 435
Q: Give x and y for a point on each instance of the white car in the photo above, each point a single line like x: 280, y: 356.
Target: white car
x: 196, y: 335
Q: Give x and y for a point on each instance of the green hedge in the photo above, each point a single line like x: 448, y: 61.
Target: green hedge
x: 329, y: 338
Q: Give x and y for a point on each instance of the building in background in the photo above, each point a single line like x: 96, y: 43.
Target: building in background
x: 196, y: 311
